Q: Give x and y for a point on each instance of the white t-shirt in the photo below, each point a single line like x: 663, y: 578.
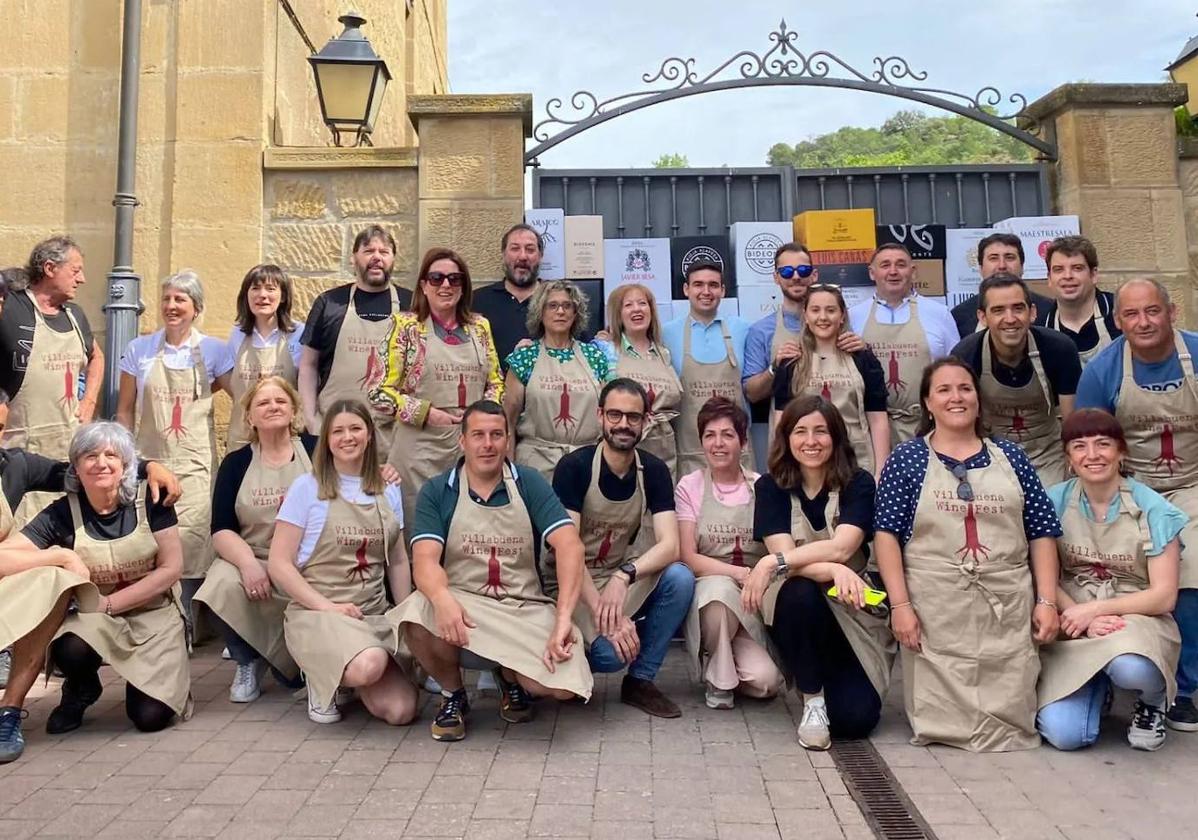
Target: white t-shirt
x: 260, y: 341
x: 301, y: 508
x: 139, y: 357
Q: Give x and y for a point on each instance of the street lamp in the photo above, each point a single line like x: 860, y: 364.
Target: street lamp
x: 350, y: 82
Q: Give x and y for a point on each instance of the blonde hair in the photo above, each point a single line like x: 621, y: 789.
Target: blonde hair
x: 615, y: 308
x: 287, y: 388
x: 802, y: 368
x: 328, y: 483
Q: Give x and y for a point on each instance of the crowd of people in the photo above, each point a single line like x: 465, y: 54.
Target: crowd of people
x: 420, y: 485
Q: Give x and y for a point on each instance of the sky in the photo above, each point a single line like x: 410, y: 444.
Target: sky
x: 552, y: 49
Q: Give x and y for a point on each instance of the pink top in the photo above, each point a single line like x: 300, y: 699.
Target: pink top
x: 688, y: 495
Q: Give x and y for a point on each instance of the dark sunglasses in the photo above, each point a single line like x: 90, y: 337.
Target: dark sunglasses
x: 964, y: 488
x: 439, y: 278
x: 788, y: 272
x: 615, y: 416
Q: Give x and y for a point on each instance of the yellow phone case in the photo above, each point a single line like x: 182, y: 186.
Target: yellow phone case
x: 873, y: 597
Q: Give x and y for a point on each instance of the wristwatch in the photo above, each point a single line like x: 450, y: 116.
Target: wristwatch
x: 773, y: 369
x: 782, y: 569
x: 630, y: 570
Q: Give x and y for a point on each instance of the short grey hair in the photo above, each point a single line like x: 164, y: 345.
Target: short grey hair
x: 1151, y: 281
x: 536, y: 307
x: 100, y: 435
x: 186, y: 281
x: 55, y: 250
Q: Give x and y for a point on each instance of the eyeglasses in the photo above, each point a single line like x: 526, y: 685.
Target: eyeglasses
x: 455, y: 279
x: 788, y: 272
x: 964, y: 488
x: 615, y: 416
x: 560, y: 306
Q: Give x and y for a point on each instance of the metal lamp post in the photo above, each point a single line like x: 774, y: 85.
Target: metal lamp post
x: 350, y: 82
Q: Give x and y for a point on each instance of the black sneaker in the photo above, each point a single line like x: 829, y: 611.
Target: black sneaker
x: 12, y: 742
x: 515, y: 704
x: 1182, y: 715
x: 76, y: 697
x: 450, y: 722
x: 1147, y: 730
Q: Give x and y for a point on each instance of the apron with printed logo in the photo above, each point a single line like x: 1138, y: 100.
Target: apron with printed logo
x: 837, y: 379
x: 782, y: 334
x: 700, y: 382
x: 561, y: 411
x: 1104, y: 335
x: 904, y: 353
x: 656, y: 375
x: 251, y: 364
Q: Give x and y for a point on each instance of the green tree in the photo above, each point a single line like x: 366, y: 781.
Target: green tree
x: 671, y: 161
x: 907, y: 138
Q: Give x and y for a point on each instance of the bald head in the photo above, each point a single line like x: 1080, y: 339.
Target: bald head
x: 1140, y: 282
x: 1145, y: 315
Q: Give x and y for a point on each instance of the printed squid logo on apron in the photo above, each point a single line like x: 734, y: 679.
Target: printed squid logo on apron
x: 495, y: 549
x: 722, y: 534
x: 57, y: 361
x: 177, y: 400
x: 1167, y: 459
x: 1091, y: 560
x: 894, y: 353
x: 372, y: 365
x: 361, y: 540
x: 1017, y: 429
x: 555, y: 382
x: 972, y: 548
x: 462, y: 378
x: 612, y: 531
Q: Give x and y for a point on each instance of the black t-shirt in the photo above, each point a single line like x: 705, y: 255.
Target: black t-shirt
x: 21, y: 472
x: 572, y: 478
x: 867, y: 365
x: 53, y: 525
x: 17, y: 322
x: 771, y: 514
x: 1088, y: 338
x: 328, y: 311
x: 966, y: 312
x: 1058, y: 354
x: 228, y: 484
x: 508, y: 318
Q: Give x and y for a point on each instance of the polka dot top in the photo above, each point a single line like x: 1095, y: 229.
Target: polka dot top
x: 902, y: 479
x: 521, y: 361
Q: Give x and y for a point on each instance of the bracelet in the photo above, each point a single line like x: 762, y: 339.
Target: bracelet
x: 1045, y: 602
x: 894, y: 607
x: 108, y: 606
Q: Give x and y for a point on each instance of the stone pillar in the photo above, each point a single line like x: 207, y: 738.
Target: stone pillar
x: 471, y: 182
x: 1117, y: 169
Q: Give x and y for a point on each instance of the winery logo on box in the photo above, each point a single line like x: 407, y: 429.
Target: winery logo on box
x: 920, y: 236
x: 702, y: 253
x: 638, y: 260
x: 760, y: 251
x: 541, y: 226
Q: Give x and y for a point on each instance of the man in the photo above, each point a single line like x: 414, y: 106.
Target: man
x: 1146, y: 378
x: 1080, y: 311
x: 707, y: 352
x: 774, y: 339
x: 906, y: 332
x: 998, y: 252
x: 630, y: 606
x: 476, y: 565
x: 1028, y: 374
x: 345, y: 328
x: 47, y: 348
x: 505, y: 304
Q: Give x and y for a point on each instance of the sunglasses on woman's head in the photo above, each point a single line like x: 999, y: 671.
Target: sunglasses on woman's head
x: 789, y: 272
x: 815, y: 287
x: 455, y: 279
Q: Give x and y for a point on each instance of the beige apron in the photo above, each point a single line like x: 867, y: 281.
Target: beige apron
x: 251, y: 364
x: 6, y: 517
x: 454, y: 377
x: 1162, y: 445
x: 723, y: 533
x: 973, y: 683
x: 358, y: 367
x: 347, y: 566
x: 700, y: 382
x: 1101, y: 560
x: 490, y: 561
x: 656, y: 375
x: 1104, y: 335
x: 782, y: 334
x: 904, y: 352
x: 259, y: 623
x: 176, y: 428
x: 561, y: 411
x: 41, y: 417
x: 147, y: 646
x: 1025, y: 415
x: 837, y: 380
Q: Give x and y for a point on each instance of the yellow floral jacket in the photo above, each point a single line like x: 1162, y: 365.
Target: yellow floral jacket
x: 403, y: 354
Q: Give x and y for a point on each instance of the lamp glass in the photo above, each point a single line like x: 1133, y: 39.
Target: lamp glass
x: 376, y: 103
x: 345, y: 91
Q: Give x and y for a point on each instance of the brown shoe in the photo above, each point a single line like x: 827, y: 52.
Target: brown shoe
x: 644, y: 695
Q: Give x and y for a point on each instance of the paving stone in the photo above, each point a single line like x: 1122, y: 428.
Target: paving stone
x: 515, y: 805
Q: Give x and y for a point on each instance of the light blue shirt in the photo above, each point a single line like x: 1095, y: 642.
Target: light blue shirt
x: 707, y: 341
x: 760, y: 337
x: 1102, y: 377
x: 1165, y: 520
x: 935, y: 318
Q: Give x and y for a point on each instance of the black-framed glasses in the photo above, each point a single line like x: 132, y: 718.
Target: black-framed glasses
x: 964, y: 488
x: 615, y: 416
x: 789, y: 272
x: 455, y: 279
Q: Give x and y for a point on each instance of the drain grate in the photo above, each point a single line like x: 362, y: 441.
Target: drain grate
x: 887, y: 809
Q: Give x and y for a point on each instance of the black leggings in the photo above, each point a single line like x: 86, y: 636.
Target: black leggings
x: 80, y: 663
x: 818, y: 657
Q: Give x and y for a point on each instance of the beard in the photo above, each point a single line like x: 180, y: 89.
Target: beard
x: 623, y: 443
x: 364, y: 277
x: 534, y: 274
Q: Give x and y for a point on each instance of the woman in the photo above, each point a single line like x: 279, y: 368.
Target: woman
x: 165, y: 398
x: 814, y: 513
x: 1119, y: 554
x: 551, y: 395
x: 958, y: 517
x: 635, y: 351
x: 715, y: 527
x: 249, y: 488
x: 853, y: 382
x: 337, y: 535
x: 107, y: 529
x: 265, y: 342
x: 439, y: 358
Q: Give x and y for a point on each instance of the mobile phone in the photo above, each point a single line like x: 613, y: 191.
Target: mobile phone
x: 873, y: 597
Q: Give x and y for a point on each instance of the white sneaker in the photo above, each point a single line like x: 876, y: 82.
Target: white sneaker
x: 813, y: 728
x: 432, y: 686
x: 247, y: 682
x: 718, y: 698
x: 1147, y: 729
x: 318, y: 714
x: 486, y: 683
x: 224, y: 654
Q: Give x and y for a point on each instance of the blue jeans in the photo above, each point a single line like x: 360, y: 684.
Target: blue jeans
x: 1186, y: 616
x: 1072, y: 722
x: 657, y: 621
x: 241, y: 652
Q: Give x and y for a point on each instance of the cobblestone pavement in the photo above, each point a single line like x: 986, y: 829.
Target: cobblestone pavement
x: 264, y: 771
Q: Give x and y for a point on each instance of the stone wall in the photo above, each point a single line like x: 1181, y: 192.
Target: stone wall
x: 1188, y: 176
